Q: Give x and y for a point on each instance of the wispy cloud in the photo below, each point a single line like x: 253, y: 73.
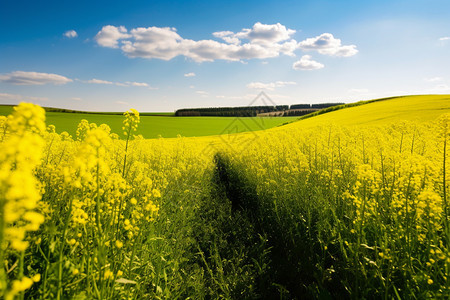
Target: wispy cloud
x: 191, y: 74
x: 269, y: 86
x: 99, y: 81
x: 434, y: 79
x: 202, y: 93
x: 122, y: 103
x: 33, y: 78
x: 358, y: 91
x: 15, y: 98
x: 124, y: 84
x: 141, y: 84
x: 445, y: 38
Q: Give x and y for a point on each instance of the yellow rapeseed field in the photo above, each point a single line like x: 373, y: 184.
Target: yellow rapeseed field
x: 348, y: 204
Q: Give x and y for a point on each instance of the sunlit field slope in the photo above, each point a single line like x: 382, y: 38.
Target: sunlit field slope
x: 352, y: 204
x: 165, y: 126
x: 407, y: 108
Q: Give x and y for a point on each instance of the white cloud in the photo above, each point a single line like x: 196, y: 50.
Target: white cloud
x: 259, y: 34
x: 202, y: 93
x: 29, y: 98
x: 358, y: 91
x: 10, y: 98
x: 33, y: 78
x: 434, y: 79
x: 262, y: 41
x: 76, y: 98
x: 327, y: 44
x: 445, y: 38
x: 122, y: 103
x: 441, y: 88
x: 99, y: 81
x: 70, y: 34
x: 110, y: 35
x: 139, y: 84
x: 227, y: 36
x: 269, y: 86
x: 191, y: 74
x: 306, y: 63
x: 124, y: 84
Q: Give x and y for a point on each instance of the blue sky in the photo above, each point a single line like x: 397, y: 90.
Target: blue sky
x: 164, y: 55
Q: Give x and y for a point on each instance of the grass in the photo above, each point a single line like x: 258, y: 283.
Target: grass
x: 153, y: 126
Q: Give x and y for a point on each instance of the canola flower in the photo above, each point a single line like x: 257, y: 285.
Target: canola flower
x: 19, y: 191
x: 102, y: 218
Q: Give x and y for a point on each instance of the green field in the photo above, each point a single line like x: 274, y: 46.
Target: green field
x: 165, y: 126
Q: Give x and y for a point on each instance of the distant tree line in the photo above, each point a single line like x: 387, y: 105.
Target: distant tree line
x: 252, y: 111
x: 298, y: 112
x: 243, y: 111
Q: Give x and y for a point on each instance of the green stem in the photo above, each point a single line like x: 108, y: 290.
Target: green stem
x: 61, y: 251
x: 126, y: 151
x: 2, y: 229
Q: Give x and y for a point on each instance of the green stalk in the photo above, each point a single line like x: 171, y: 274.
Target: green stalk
x: 126, y: 151
x: 61, y: 250
x: 21, y: 263
x: 444, y: 182
x: 2, y: 229
x: 99, y: 229
x: 131, y: 261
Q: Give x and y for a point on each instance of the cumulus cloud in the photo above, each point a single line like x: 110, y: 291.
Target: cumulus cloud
x: 191, y: 74
x: 33, y: 78
x: 327, y: 44
x: 261, y: 41
x: 306, y: 63
x: 70, y: 34
x: 110, y: 35
x: 269, y: 86
x: 259, y: 34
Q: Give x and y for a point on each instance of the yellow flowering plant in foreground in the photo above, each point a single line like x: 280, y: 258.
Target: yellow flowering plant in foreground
x: 333, y: 211
x: 20, y: 194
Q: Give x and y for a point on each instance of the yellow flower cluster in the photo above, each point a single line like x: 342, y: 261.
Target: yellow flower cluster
x: 131, y: 121
x: 22, y: 146
x: 375, y: 199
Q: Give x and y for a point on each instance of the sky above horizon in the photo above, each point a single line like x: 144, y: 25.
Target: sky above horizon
x: 166, y: 55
